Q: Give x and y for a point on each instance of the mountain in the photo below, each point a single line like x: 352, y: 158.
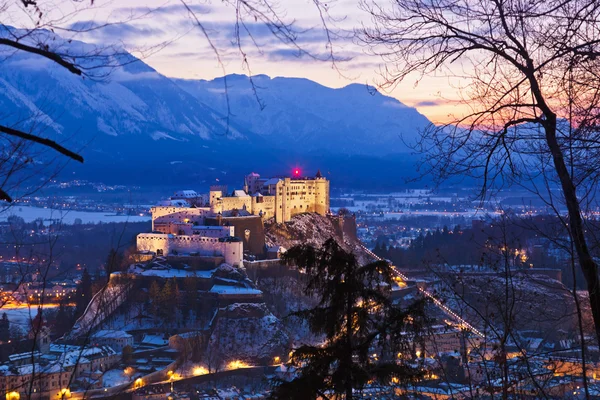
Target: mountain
x: 133, y: 125
x: 130, y: 123
x: 300, y: 113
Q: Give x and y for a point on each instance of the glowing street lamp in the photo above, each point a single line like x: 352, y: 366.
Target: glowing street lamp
x: 13, y: 395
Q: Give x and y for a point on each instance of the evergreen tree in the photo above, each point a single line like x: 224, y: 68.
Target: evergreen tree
x: 154, y: 294
x: 356, y: 316
x: 167, y: 302
x: 4, y: 328
x: 114, y: 261
x: 83, y: 295
x: 190, y: 302
x: 62, y: 322
x: 127, y: 354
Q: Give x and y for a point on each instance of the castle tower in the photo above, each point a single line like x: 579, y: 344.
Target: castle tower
x: 252, y: 184
x: 321, y: 194
x: 215, y: 195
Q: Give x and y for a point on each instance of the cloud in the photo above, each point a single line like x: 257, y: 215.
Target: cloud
x: 428, y: 103
x: 115, y: 32
x: 253, y: 34
x: 393, y: 104
x: 122, y: 75
x: 173, y: 9
x: 308, y: 54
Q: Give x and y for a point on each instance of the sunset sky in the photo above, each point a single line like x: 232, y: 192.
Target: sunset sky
x: 166, y: 36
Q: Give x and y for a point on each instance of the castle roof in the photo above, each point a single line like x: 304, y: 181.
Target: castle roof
x: 174, y: 203
x: 239, y: 193
x: 185, y: 193
x: 272, y: 181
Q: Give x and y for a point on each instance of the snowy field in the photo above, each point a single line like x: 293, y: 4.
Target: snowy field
x: 30, y: 214
x: 21, y: 316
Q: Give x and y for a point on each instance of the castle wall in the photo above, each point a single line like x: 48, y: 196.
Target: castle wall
x: 264, y: 204
x: 165, y: 244
x: 175, y: 228
x: 254, y: 239
x: 213, y: 231
x: 238, y: 203
x: 162, y: 215
x: 297, y: 196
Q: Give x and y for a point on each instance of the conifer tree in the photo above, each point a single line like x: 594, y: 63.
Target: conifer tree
x: 168, y: 301
x: 356, y: 317
x: 83, y: 295
x: 4, y: 328
x: 62, y: 321
x: 154, y: 294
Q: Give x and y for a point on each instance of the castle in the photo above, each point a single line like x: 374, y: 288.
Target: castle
x: 279, y: 198
x: 219, y: 225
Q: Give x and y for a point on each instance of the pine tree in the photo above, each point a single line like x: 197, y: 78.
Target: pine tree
x: 83, y: 295
x: 167, y: 302
x: 114, y: 261
x: 4, y: 328
x: 356, y: 316
x: 62, y: 321
x: 154, y: 294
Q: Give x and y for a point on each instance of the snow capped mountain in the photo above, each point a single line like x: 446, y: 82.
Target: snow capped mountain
x: 132, y: 99
x: 128, y: 121
x: 132, y: 124
x: 303, y: 114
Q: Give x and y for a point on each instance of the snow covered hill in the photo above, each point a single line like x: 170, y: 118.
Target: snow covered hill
x: 121, y: 114
x: 355, y: 119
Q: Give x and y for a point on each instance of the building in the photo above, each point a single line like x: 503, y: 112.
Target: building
x: 55, y: 373
x: 221, y: 225
x: 279, y: 198
x: 117, y: 340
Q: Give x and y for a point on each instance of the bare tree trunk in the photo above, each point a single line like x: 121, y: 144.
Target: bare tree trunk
x: 576, y: 229
x: 349, y: 330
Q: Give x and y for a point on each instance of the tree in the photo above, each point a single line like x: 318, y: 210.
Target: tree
x: 532, y: 97
x: 4, y: 328
x: 154, y: 294
x: 114, y: 261
x: 83, y: 294
x: 62, y: 321
x: 355, y: 315
x: 127, y: 354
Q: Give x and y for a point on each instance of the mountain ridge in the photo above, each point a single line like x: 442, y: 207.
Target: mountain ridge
x: 137, y: 125
x: 354, y: 119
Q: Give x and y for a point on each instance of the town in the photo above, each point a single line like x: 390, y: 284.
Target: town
x: 200, y: 305
x: 299, y: 200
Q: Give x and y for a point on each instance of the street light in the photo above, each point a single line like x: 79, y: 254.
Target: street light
x: 13, y: 395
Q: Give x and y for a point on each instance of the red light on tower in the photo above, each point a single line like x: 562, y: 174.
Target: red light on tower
x: 296, y: 172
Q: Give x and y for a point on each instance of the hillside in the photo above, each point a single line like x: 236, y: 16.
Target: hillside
x: 313, y: 229
x: 535, y: 303
x: 247, y: 331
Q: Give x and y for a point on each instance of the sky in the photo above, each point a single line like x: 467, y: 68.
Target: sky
x: 203, y: 45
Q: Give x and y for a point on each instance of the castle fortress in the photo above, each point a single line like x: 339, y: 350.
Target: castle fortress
x: 197, y: 225
x: 281, y: 198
